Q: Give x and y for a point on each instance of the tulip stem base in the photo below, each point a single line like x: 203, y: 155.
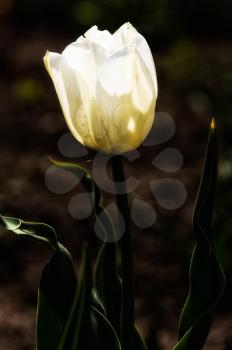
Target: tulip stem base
x: 127, y: 312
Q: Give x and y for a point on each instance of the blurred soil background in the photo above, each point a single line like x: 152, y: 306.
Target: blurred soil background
x: 191, y: 43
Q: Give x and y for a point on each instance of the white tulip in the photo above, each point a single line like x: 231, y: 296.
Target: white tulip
x: 107, y: 87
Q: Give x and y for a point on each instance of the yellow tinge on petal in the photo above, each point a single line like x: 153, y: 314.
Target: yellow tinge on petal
x: 46, y: 62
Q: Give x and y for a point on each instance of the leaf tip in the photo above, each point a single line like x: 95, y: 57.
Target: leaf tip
x: 213, y: 124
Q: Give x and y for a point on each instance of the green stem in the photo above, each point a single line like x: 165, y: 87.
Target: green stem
x: 127, y: 312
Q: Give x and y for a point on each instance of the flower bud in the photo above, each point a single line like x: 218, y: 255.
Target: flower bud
x: 107, y: 87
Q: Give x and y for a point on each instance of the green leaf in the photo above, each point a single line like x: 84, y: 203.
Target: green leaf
x: 57, y: 290
x: 206, y: 276
x: 139, y: 343
x: 105, y: 337
x: 87, y: 328
x: 107, y: 294
x: 104, y: 224
x: 58, y: 283
x: 79, y: 317
x: 96, y: 302
x: 107, y: 280
x: 84, y: 175
x: 108, y: 287
x: 36, y: 230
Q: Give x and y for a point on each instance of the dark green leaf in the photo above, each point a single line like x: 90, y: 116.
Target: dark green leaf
x: 36, y: 230
x: 84, y: 175
x: 139, y: 343
x: 58, y: 283
x: 108, y: 288
x: 105, y: 337
x: 57, y: 290
x: 78, y: 325
x: 206, y: 280
x: 107, y: 281
x: 87, y: 328
x: 106, y: 296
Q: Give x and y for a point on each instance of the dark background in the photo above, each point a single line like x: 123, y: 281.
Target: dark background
x: 191, y: 43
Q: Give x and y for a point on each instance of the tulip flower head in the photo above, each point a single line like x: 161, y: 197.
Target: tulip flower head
x: 107, y: 87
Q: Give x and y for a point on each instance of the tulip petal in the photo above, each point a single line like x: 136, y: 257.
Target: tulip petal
x: 115, y: 74
x: 125, y: 94
x: 102, y: 36
x: 125, y: 73
x: 53, y: 62
x: 80, y: 58
x: 102, y: 43
x: 81, y: 61
x: 129, y: 36
x: 68, y: 91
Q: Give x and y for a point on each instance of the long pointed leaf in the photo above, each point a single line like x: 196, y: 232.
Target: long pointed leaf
x: 206, y: 279
x: 36, y: 230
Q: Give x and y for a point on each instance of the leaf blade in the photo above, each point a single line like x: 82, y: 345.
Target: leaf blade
x: 206, y: 276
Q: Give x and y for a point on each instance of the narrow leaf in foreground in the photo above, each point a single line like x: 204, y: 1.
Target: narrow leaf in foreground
x: 206, y: 278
